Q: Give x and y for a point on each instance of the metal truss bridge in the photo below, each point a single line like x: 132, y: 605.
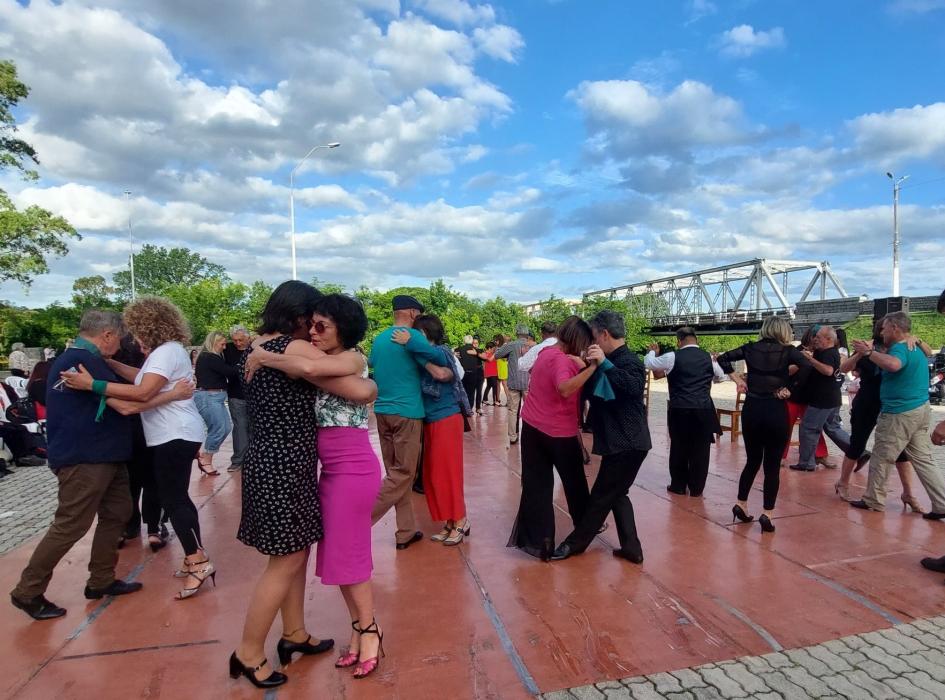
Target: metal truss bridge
x: 732, y: 298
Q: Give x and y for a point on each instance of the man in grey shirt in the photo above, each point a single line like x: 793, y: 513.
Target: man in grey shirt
x: 518, y: 379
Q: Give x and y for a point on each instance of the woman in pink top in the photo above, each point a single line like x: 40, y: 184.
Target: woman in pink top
x: 550, y: 438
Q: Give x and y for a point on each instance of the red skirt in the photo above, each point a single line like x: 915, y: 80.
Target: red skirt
x: 796, y: 411
x: 443, y: 468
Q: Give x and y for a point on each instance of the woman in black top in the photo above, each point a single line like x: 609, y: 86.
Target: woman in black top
x: 212, y: 374
x: 864, y: 411
x: 764, y: 414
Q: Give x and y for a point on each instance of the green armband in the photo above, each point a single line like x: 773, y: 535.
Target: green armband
x: 99, y: 386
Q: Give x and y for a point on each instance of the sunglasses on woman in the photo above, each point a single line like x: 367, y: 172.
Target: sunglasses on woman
x: 320, y: 327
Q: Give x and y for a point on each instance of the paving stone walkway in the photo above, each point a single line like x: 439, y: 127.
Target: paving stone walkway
x: 905, y: 661
x: 28, y: 499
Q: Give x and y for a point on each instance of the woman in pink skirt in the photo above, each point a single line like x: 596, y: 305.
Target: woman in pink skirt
x: 348, y: 486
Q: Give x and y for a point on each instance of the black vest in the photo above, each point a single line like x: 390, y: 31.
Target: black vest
x: 691, y: 379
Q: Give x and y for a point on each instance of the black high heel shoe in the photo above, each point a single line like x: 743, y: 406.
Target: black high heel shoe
x: 766, y: 524
x: 238, y: 668
x: 738, y: 513
x: 285, y: 648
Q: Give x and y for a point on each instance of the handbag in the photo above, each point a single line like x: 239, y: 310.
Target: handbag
x: 21, y: 412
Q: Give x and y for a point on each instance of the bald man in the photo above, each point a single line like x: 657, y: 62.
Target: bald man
x: 823, y: 400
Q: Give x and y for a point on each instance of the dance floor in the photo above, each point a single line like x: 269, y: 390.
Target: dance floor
x: 484, y: 621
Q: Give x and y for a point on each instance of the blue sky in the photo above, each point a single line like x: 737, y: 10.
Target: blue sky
x: 514, y: 148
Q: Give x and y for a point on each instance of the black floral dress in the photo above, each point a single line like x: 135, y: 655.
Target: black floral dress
x: 281, y: 513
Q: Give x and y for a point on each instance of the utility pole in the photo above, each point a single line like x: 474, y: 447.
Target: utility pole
x: 897, y: 185
x: 131, y: 241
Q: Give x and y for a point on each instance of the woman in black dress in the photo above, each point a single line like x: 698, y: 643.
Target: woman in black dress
x: 281, y: 516
x: 764, y: 413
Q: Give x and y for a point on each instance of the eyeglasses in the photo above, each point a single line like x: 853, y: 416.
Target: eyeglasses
x: 320, y: 327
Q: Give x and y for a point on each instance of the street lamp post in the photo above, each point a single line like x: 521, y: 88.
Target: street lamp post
x: 131, y: 242
x: 897, y: 185
x: 295, y: 274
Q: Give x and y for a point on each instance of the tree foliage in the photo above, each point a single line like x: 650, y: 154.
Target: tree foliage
x: 157, y: 269
x: 29, y: 236
x: 93, y: 293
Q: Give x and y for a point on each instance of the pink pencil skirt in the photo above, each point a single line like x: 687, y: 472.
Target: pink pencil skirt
x: 347, y: 488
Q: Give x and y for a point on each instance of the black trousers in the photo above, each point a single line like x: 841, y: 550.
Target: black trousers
x: 173, y: 462
x: 688, y: 451
x: 609, y: 494
x: 145, y: 500
x: 534, y: 529
x: 492, y: 384
x: 766, y: 432
x: 472, y: 383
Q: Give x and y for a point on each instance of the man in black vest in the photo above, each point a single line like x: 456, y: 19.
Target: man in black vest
x: 691, y: 417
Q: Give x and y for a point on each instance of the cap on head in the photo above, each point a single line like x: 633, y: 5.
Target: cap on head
x: 405, y: 302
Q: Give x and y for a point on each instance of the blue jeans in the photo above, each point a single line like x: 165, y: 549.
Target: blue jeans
x: 815, y: 420
x: 212, y: 408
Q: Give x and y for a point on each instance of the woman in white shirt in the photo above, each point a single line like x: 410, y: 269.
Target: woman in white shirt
x: 175, y: 430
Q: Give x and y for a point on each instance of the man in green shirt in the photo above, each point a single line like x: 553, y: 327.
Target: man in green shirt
x: 903, y: 423
x: 399, y: 412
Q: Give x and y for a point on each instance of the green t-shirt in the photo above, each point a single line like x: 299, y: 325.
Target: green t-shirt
x: 908, y: 388
x: 397, y: 373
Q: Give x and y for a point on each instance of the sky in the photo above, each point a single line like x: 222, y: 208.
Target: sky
x: 520, y: 148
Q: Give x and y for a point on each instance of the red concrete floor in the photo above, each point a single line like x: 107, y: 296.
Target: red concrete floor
x: 484, y: 621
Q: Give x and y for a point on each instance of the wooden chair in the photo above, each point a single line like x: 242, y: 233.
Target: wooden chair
x: 734, y: 417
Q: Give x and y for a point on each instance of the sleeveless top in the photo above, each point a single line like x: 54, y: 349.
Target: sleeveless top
x: 332, y: 411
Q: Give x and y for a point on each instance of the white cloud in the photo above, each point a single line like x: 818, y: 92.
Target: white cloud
x: 700, y: 8
x: 743, y: 40
x: 627, y: 118
x: 457, y: 12
x: 915, y: 7
x: 500, y: 41
x: 914, y: 132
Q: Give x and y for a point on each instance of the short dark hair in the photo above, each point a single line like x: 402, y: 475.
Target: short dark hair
x: 549, y: 328
x: 941, y: 303
x: 348, y: 315
x: 290, y: 301
x: 610, y: 321
x: 431, y: 327
x: 574, y: 335
x: 685, y: 332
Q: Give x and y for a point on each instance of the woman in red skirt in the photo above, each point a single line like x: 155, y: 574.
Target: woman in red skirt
x: 442, y: 436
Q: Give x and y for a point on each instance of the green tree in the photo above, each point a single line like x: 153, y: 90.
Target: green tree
x: 157, y: 269
x: 27, y: 237
x: 93, y: 293
x: 211, y: 305
x: 50, y: 327
x: 328, y: 287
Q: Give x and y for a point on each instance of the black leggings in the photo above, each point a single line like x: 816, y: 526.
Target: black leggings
x: 492, y: 384
x: 173, y: 462
x: 534, y: 529
x: 766, y: 432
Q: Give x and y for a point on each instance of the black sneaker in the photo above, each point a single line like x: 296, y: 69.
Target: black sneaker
x: 803, y: 467
x: 31, y: 461
x: 116, y: 587
x: 933, y: 516
x: 38, y: 608
x: 933, y: 564
x: 417, y: 536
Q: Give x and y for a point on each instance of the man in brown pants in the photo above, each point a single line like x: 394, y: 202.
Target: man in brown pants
x: 88, y: 447
x: 399, y: 412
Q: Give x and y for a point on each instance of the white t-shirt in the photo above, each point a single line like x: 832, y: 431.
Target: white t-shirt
x: 177, y: 420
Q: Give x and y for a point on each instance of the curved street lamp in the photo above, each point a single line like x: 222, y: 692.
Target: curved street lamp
x: 295, y: 275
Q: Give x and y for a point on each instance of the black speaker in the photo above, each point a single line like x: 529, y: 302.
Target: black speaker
x: 881, y: 307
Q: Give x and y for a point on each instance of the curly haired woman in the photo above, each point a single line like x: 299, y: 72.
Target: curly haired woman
x: 175, y: 430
